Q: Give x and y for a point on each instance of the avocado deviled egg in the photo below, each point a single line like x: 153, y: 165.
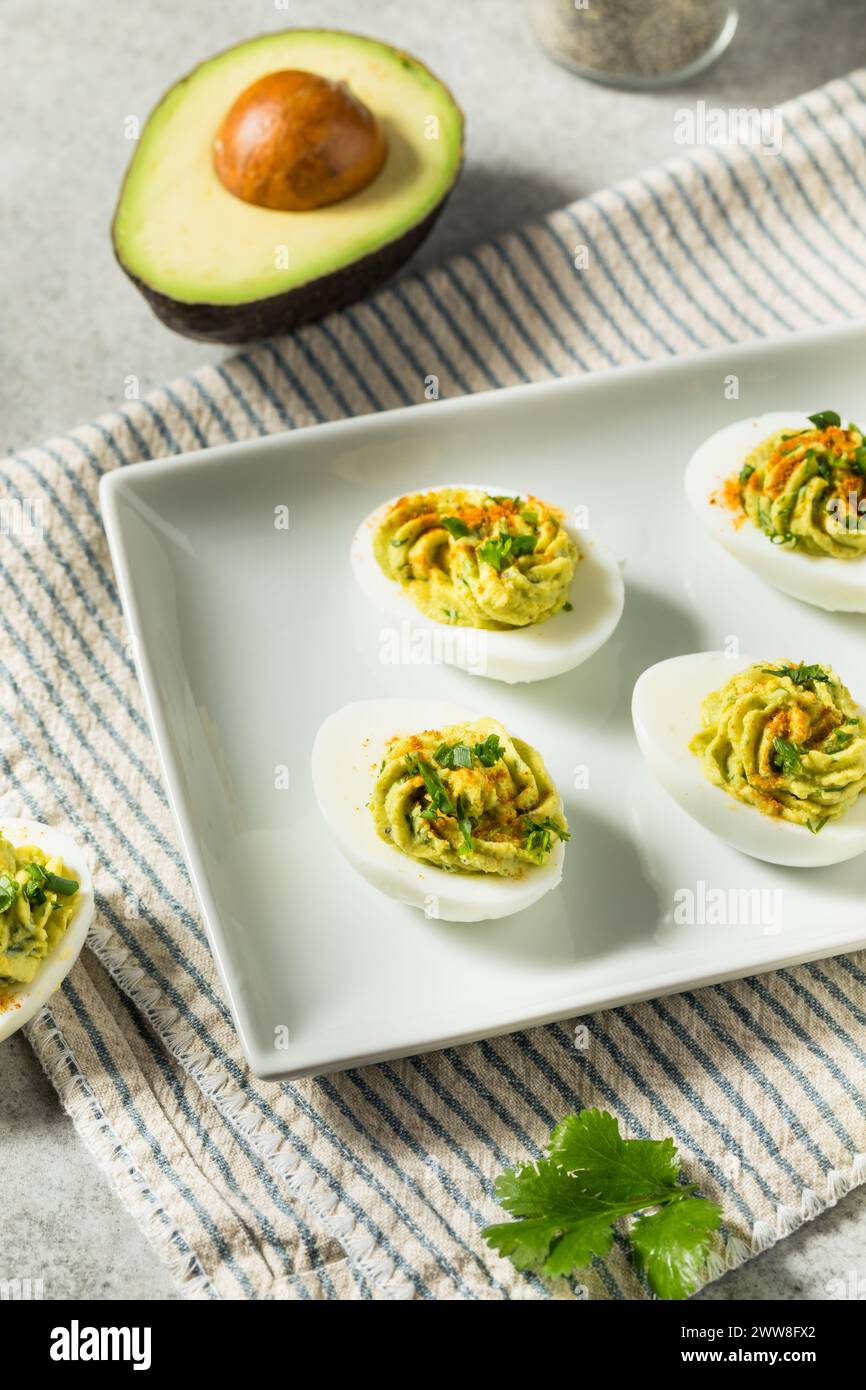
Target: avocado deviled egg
x: 439, y: 808
x: 542, y: 596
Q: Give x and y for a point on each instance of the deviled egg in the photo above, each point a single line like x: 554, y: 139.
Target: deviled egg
x: 46, y: 908
x: 439, y: 808
x: 542, y: 596
x: 785, y: 494
x: 768, y: 755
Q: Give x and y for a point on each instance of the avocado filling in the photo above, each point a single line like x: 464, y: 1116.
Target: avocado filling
x: 787, y: 739
x: 37, y: 901
x: 475, y: 560
x: 468, y: 798
x: 807, y: 490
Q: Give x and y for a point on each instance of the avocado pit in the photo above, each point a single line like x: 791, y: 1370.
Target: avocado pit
x: 294, y: 141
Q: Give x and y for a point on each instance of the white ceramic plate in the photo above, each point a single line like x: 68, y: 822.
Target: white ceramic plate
x: 247, y: 637
x: 18, y: 1006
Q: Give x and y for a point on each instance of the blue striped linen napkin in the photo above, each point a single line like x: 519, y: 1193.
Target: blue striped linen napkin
x: 376, y: 1183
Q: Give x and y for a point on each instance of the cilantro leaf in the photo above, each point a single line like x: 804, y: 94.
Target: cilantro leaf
x: 566, y: 1206
x: 670, y: 1245
x: 589, y: 1146
x: 9, y: 889
x: 839, y: 739
x: 561, y: 1226
x: 745, y: 473
x: 538, y: 836
x: 522, y: 544
x: 455, y: 527
x: 824, y: 419
x: 439, y: 798
x: 799, y: 674
x: 489, y: 751
x: 502, y: 550
x: 465, y: 826
x: 453, y: 755
x: 34, y: 888
x: 785, y: 757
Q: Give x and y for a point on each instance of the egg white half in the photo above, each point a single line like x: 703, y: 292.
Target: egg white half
x: 823, y: 581
x: 532, y: 653
x: 20, y: 1004
x: 666, y: 709
x: 345, y: 762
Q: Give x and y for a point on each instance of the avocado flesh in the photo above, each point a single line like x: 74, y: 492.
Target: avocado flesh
x: 216, y: 267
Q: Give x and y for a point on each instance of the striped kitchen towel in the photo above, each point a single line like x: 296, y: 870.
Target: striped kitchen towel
x: 376, y: 1183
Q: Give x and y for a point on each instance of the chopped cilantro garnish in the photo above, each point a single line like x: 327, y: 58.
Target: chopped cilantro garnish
x: 65, y: 887
x: 531, y: 518
x: 502, y: 550
x: 822, y: 462
x: 538, y: 836
x: 439, y: 798
x: 825, y: 419
x: 9, y: 889
x: 489, y: 751
x: 746, y: 472
x: 465, y: 826
x: 785, y: 757
x: 460, y: 755
x: 455, y: 527
x: 566, y: 1206
x: 799, y: 674
x: 568, y: 607
x: 453, y: 755
x: 839, y: 739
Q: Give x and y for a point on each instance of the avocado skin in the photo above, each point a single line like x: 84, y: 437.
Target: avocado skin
x: 282, y: 313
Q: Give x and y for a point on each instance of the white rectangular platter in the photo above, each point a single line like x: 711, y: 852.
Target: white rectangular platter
x: 248, y: 635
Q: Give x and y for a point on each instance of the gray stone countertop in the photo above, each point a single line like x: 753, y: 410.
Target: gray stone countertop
x: 73, y: 329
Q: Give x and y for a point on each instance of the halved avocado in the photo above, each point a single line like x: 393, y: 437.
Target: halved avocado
x: 215, y: 266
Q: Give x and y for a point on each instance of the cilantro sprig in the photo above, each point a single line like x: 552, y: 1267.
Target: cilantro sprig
x: 566, y: 1206
x: 800, y: 674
